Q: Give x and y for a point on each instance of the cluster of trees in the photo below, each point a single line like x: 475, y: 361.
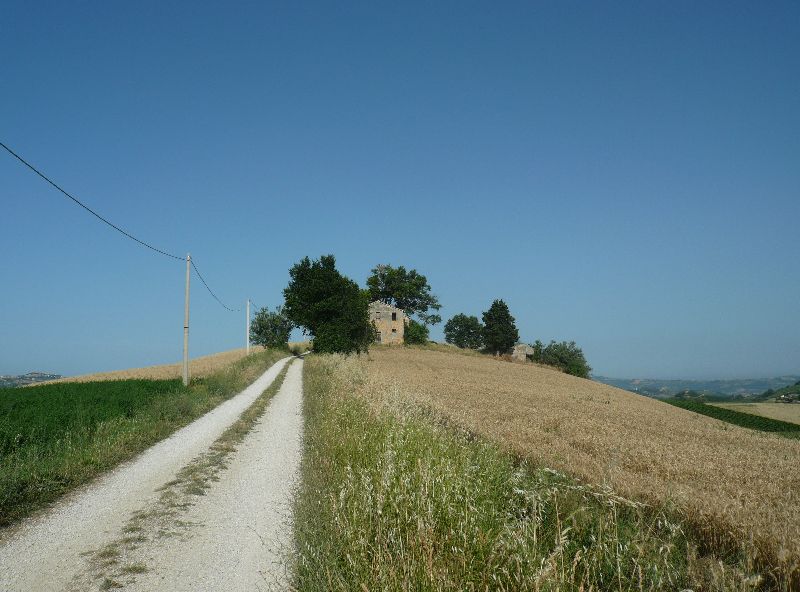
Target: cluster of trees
x: 565, y: 355
x: 334, y: 311
x: 498, y: 334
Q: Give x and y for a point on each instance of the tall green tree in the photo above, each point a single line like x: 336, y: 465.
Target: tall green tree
x: 328, y: 306
x: 271, y: 329
x: 464, y: 331
x: 404, y: 289
x: 499, y: 331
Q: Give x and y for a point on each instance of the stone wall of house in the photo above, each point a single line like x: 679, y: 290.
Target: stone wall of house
x: 522, y: 351
x: 389, y: 321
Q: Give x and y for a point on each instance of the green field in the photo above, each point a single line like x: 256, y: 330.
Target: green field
x: 55, y: 437
x: 745, y: 420
x: 43, y: 417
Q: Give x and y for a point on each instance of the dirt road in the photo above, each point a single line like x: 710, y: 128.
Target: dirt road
x: 232, y: 537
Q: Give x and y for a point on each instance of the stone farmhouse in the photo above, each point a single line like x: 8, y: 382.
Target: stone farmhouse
x: 389, y: 321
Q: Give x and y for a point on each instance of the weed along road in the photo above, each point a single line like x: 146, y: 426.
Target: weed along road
x: 209, y: 508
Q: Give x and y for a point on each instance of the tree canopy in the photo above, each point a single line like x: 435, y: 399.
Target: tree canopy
x: 329, y: 306
x: 404, y: 289
x: 270, y: 329
x: 565, y: 355
x: 464, y: 331
x: 499, y: 331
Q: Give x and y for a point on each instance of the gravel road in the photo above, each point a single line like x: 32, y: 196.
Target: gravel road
x: 49, y: 551
x: 239, y: 533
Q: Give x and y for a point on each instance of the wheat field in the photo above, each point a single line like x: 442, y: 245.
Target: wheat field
x: 198, y: 367
x: 781, y: 411
x: 740, y: 489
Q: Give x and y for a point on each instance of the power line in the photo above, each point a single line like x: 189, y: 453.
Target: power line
x: 87, y: 208
x: 225, y: 306
x: 111, y: 224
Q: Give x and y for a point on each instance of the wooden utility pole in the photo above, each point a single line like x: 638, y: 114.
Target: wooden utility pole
x: 247, y: 328
x: 186, y: 324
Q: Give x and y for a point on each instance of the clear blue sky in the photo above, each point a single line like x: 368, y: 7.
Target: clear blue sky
x: 626, y: 175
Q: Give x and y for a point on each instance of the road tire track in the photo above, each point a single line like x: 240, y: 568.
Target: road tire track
x: 237, y: 536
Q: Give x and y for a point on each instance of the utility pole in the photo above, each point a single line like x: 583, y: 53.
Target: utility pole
x: 247, y: 328
x: 186, y: 324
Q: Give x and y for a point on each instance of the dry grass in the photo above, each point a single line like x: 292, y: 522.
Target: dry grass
x: 198, y: 367
x: 738, y: 488
x: 393, y: 499
x: 781, y: 411
x: 301, y: 346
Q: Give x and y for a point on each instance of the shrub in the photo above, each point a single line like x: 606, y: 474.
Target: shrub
x: 416, y: 333
x: 563, y: 355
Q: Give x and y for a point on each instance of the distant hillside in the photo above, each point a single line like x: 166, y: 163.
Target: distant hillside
x: 29, y: 378
x: 706, y: 397
x: 734, y: 389
x: 787, y: 392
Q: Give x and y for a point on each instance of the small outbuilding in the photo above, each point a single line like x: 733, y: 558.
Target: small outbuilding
x: 521, y: 352
x: 389, y: 321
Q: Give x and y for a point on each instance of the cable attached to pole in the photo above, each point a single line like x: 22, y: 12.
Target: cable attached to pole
x: 112, y: 225
x: 85, y: 207
x: 225, y: 306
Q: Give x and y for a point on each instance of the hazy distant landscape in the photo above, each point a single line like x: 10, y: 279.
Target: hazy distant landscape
x: 7, y: 381
x: 732, y: 388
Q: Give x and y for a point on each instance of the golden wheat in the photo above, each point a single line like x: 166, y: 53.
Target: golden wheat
x: 736, y: 486
x: 781, y: 411
x: 198, y: 367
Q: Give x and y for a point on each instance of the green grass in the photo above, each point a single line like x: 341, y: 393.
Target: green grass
x: 56, y: 437
x: 396, y: 500
x: 745, y: 420
x: 47, y: 414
